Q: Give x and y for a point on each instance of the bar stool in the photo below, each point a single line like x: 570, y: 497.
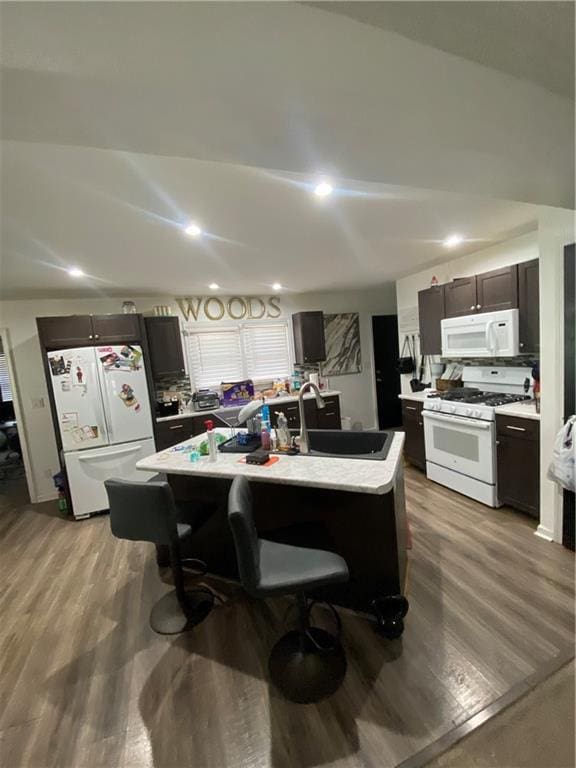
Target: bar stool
x: 307, y: 664
x: 146, y: 511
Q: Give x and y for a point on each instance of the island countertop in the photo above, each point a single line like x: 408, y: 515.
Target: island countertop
x: 340, y: 474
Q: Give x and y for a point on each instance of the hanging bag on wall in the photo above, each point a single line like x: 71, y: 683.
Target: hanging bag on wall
x: 406, y: 362
x: 562, y: 469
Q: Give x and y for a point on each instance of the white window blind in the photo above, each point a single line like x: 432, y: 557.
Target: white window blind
x: 266, y: 351
x: 5, y: 387
x: 257, y: 351
x: 215, y: 356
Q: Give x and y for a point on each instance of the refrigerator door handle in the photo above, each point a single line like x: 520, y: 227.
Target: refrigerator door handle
x: 101, y: 455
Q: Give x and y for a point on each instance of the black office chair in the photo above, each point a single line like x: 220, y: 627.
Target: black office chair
x: 308, y: 664
x: 146, y: 511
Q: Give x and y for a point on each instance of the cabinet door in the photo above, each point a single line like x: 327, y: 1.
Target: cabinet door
x: 165, y: 344
x: 519, y: 473
x: 430, y: 313
x: 413, y: 425
x: 309, y: 340
x: 66, y: 331
x: 116, y: 329
x: 460, y: 297
x: 174, y: 431
x: 529, y: 306
x: 497, y: 289
x: 329, y: 416
x: 292, y: 416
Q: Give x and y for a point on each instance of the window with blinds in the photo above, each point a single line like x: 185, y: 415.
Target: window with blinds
x: 260, y: 352
x: 5, y: 386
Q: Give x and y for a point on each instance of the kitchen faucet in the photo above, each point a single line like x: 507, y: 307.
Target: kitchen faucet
x: 304, y: 445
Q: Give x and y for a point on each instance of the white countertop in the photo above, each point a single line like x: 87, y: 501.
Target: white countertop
x: 272, y: 401
x: 357, y: 475
x: 523, y: 410
x: 419, y: 397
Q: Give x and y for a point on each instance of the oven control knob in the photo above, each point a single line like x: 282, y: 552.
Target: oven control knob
x: 452, y: 409
x: 477, y: 413
x: 469, y: 411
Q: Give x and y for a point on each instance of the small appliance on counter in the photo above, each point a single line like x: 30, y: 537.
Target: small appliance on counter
x: 205, y: 400
x: 168, y: 407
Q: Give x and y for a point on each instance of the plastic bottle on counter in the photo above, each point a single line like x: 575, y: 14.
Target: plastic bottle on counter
x: 282, y: 432
x: 212, y: 446
x: 265, y: 433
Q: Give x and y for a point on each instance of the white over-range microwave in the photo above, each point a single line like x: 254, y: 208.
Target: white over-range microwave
x: 489, y: 334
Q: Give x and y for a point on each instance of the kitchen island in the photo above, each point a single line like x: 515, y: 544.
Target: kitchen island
x: 351, y: 506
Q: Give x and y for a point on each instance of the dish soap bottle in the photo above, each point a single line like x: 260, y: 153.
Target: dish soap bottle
x: 212, y: 446
x: 282, y: 432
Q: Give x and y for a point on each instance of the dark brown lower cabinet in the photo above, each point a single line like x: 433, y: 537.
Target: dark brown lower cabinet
x: 413, y: 424
x: 518, y: 467
x: 329, y: 416
x: 174, y: 431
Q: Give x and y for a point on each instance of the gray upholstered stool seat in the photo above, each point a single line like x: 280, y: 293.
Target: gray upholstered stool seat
x: 147, y: 512
x: 307, y: 664
x: 285, y: 569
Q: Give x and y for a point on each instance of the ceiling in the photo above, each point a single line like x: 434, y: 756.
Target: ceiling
x: 123, y: 121
x: 120, y: 218
x: 486, y: 32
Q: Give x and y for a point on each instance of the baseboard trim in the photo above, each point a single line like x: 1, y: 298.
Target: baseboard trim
x: 45, y: 497
x: 544, y: 533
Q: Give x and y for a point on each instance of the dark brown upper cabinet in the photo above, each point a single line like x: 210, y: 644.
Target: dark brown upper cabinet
x: 165, y: 345
x: 116, y: 329
x: 460, y: 297
x: 529, y: 306
x: 87, y: 330
x: 309, y: 339
x: 430, y: 312
x: 65, y: 331
x: 497, y: 290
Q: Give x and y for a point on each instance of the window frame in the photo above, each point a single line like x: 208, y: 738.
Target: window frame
x: 189, y: 329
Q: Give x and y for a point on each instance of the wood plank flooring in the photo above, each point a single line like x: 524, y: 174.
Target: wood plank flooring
x: 86, y: 683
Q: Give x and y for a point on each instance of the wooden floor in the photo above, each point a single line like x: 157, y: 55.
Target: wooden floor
x: 87, y: 683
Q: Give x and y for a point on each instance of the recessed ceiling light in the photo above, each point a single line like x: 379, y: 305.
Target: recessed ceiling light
x: 323, y: 189
x: 453, y: 241
x: 213, y: 286
x: 75, y: 272
x: 276, y: 286
x: 193, y: 230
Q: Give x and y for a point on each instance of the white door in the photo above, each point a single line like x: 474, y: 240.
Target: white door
x: 76, y: 389
x: 87, y: 470
x: 124, y: 392
x: 464, y: 445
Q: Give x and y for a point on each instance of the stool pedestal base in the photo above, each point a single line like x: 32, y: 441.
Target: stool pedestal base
x: 168, y: 617
x: 301, y: 671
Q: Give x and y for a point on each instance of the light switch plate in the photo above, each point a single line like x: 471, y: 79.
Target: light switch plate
x: 38, y: 402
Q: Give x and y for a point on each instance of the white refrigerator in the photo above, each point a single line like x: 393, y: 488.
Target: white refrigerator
x: 103, y: 412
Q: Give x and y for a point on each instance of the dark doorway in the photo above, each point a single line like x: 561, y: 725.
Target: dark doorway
x: 385, y: 335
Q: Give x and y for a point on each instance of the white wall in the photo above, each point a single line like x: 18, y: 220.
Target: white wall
x: 513, y: 251
x: 556, y: 229
x: 19, y: 318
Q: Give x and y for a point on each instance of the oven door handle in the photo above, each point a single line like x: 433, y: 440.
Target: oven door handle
x: 458, y: 420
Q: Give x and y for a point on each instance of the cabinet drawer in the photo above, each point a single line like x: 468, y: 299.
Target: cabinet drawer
x: 175, y: 431
x: 411, y: 407
x: 522, y: 429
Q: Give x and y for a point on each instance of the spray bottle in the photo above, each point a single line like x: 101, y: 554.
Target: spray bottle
x: 212, y: 446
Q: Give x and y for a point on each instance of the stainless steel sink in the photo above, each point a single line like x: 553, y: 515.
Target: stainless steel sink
x: 343, y: 444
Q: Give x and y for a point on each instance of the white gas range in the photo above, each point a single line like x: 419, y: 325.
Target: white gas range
x: 460, y: 430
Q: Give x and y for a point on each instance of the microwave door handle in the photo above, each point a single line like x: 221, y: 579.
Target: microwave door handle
x: 490, y: 337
